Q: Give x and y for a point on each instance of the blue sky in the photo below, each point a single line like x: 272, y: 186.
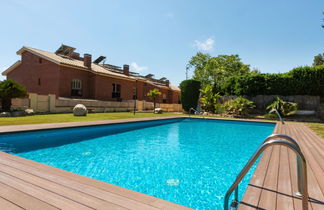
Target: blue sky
x: 159, y: 37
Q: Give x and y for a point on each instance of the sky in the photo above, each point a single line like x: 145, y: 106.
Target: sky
x: 160, y: 37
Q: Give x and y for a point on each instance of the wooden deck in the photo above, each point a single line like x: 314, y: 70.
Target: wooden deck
x: 25, y: 184
x: 274, y: 183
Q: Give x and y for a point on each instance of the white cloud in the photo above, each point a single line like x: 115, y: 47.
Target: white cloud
x: 206, y: 45
x: 137, y: 68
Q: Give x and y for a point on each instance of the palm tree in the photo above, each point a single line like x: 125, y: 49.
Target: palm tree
x: 154, y: 94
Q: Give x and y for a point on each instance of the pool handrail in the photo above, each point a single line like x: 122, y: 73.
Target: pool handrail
x: 301, y: 168
x: 193, y: 110
x: 278, y: 114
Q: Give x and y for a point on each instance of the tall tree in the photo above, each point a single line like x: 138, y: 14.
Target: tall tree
x: 217, y: 70
x: 198, y: 63
x: 318, y: 59
x: 154, y: 94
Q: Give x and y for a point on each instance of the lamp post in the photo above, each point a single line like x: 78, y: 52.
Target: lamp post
x: 187, y: 68
x: 135, y: 94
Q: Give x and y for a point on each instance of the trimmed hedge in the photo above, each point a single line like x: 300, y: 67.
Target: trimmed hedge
x: 299, y: 81
x: 189, y: 93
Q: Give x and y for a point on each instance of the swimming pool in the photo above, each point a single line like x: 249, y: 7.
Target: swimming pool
x: 187, y: 161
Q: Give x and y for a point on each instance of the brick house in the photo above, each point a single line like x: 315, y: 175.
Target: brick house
x: 66, y: 74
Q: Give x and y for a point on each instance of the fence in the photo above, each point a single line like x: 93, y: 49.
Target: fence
x: 49, y: 103
x: 304, y: 102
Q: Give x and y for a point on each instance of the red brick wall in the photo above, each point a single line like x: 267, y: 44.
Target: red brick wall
x: 31, y: 70
x: 68, y: 74
x: 56, y: 79
x: 103, y: 86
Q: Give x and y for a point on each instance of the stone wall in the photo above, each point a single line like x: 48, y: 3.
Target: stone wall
x: 262, y: 101
x: 49, y: 103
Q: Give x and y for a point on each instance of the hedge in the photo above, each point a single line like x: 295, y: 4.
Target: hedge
x: 299, y: 81
x: 189, y: 93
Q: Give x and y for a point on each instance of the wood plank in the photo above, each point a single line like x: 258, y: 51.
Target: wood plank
x: 24, y: 183
x: 44, y: 195
x: 77, y: 196
x: 284, y: 195
x: 293, y: 172
x: 315, y: 173
x: 98, y: 197
x: 268, y: 199
x: 7, y: 205
x: 253, y: 192
x: 22, y: 199
x: 97, y: 188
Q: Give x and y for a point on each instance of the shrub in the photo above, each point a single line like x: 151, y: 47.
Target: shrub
x: 10, y: 89
x: 239, y: 106
x: 219, y: 108
x: 189, y: 94
x: 284, y: 108
x: 209, y: 98
x: 299, y: 81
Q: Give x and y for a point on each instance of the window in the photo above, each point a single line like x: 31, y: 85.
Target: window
x: 39, y: 81
x: 116, y: 90
x: 40, y: 60
x: 134, y: 94
x: 76, y: 87
x: 164, y: 98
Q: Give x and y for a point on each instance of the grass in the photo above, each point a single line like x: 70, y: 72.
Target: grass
x: 317, y: 127
x: 58, y: 118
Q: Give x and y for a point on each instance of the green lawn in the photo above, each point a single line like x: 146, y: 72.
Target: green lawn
x: 317, y: 127
x: 58, y: 118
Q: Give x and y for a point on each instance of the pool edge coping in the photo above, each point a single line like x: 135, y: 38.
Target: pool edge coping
x: 50, y: 126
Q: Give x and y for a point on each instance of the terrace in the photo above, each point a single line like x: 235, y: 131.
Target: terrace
x: 29, y: 184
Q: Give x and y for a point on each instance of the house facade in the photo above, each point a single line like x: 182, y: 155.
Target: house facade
x: 66, y: 74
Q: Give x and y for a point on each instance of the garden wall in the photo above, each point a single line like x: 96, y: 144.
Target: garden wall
x: 49, y: 103
x: 304, y: 102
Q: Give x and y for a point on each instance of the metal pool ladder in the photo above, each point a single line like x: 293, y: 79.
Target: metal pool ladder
x: 278, y: 114
x: 192, y: 109
x: 274, y: 139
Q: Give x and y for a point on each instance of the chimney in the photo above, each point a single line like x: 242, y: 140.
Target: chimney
x: 167, y: 83
x: 126, y: 69
x: 75, y: 55
x: 87, y: 61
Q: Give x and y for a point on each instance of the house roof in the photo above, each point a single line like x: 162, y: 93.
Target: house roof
x: 65, y: 60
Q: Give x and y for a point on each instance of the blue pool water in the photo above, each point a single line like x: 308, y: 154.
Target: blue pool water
x: 190, y: 162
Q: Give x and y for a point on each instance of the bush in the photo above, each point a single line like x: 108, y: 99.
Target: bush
x: 208, y: 98
x: 284, y: 108
x: 189, y: 94
x: 10, y: 89
x: 219, y: 108
x: 299, y: 81
x: 239, y: 106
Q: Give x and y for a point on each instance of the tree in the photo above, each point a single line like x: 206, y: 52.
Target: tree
x: 10, y: 89
x: 154, y: 94
x: 189, y: 94
x: 208, y: 98
x: 318, y: 59
x: 198, y: 62
x: 217, y: 70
